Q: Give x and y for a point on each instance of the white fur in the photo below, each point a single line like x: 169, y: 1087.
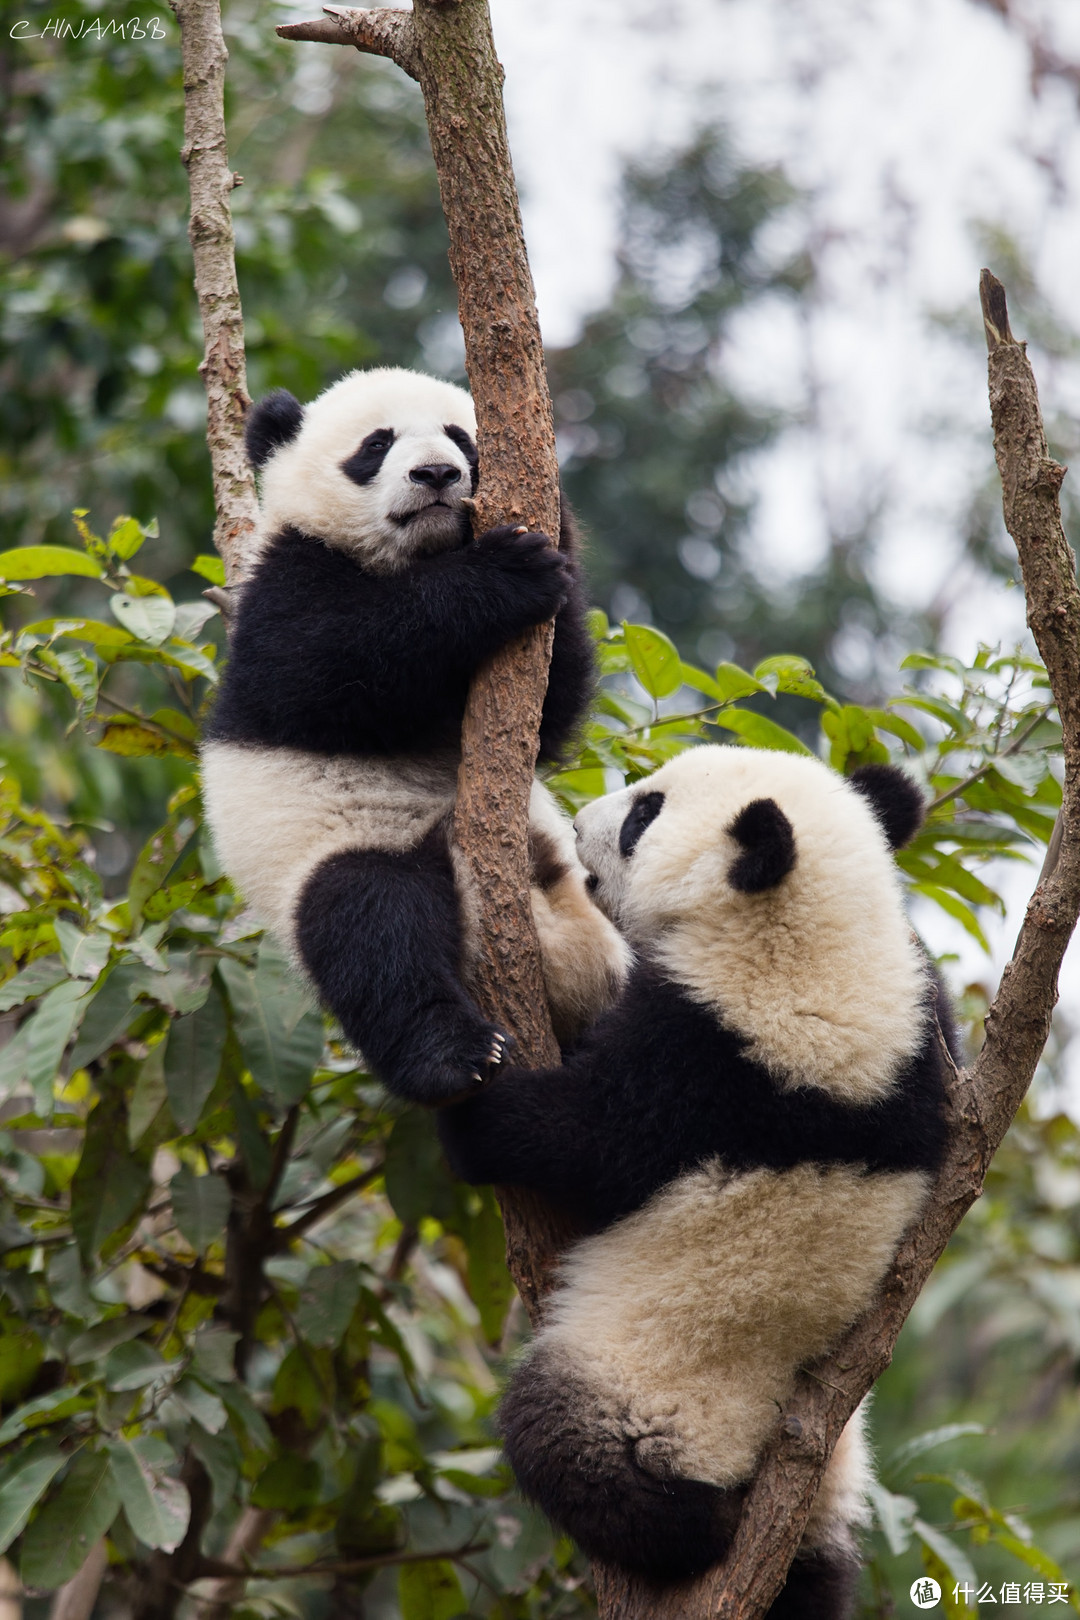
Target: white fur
x: 691, y: 1315
x: 302, y: 484
x: 820, y: 974
x: 278, y: 813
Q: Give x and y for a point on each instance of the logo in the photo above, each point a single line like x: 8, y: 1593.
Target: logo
x: 925, y: 1593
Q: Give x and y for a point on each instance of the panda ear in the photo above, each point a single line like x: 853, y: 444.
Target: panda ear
x: 271, y: 423
x: 768, y: 847
x: 894, y: 798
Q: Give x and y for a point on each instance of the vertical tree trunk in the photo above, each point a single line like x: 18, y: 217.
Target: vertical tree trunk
x: 210, y: 231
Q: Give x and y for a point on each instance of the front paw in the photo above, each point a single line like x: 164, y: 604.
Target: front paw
x: 449, y: 1054
x: 539, y: 572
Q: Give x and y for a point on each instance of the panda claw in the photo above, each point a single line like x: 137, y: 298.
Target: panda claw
x: 498, y: 1050
x: 479, y: 1079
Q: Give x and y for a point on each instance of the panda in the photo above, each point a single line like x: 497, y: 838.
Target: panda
x: 743, y: 1139
x: 330, y: 765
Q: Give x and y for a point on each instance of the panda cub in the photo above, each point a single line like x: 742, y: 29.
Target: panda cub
x: 745, y: 1137
x: 330, y: 766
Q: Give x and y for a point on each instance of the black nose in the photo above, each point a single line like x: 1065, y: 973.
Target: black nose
x: 436, y: 477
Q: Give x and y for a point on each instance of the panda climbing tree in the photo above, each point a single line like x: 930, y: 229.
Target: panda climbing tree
x: 448, y: 48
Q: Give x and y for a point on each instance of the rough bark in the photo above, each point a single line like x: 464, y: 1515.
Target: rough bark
x: 210, y: 231
x: 449, y: 48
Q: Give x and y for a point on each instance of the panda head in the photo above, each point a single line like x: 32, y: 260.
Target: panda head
x: 764, y: 884
x: 378, y: 465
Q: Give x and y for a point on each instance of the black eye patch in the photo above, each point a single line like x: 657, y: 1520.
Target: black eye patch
x: 364, y: 463
x: 642, y: 813
x: 459, y: 437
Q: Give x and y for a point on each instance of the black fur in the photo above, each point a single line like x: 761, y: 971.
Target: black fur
x: 364, y: 464
x: 329, y: 657
x: 623, y: 1508
x: 458, y: 436
x: 768, y: 841
x: 271, y: 423
x: 896, y: 800
x: 642, y: 813
x: 381, y: 936
x: 589, y: 1480
x: 658, y: 1087
x: 820, y: 1586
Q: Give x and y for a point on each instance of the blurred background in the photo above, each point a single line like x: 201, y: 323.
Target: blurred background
x: 756, y: 228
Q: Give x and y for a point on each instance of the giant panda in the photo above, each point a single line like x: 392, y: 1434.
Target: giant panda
x: 744, y: 1137
x: 330, y: 765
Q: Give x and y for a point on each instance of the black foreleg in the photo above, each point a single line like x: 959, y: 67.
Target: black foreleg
x: 820, y: 1586
x: 381, y: 936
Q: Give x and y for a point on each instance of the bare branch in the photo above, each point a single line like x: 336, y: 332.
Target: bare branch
x: 379, y: 33
x: 210, y: 231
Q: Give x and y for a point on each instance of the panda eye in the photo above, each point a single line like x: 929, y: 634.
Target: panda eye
x: 641, y: 814
x: 364, y: 463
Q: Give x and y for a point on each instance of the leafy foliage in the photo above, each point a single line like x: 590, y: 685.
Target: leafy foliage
x: 235, y: 1274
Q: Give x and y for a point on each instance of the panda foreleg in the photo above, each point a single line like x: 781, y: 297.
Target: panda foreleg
x: 380, y: 934
x: 821, y: 1585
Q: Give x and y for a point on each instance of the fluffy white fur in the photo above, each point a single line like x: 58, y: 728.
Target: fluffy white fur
x: 276, y: 814
x: 758, y: 957
x: 302, y: 484
x: 694, y: 1311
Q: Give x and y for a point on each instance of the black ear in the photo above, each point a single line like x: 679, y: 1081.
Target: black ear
x: 768, y: 841
x: 894, y: 798
x: 272, y: 422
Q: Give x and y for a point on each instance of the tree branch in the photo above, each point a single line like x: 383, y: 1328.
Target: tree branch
x: 223, y: 368
x: 379, y: 33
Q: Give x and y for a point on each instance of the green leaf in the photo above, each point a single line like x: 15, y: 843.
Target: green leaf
x: 201, y: 1404
x: 133, y: 1365
x: 40, y: 976
x: 193, y: 1055
x: 25, y: 1478
x: 298, y: 1385
x: 85, y: 955
x: 210, y: 566
x: 289, y: 1483
x: 110, y: 1184
x: 490, y: 1284
x: 946, y: 1552
x: 76, y: 669
x: 922, y: 1443
x: 759, y: 731
x: 105, y: 1336
x: 955, y: 908
x: 44, y: 1408
x: 200, y: 1206
x: 134, y: 741
x: 279, y: 1030
x: 60, y: 1539
x: 108, y: 1013
x: 158, y: 1508
x: 156, y: 860
x: 125, y: 538
x: 47, y: 1035
x: 215, y: 1351
x: 149, y: 618
x: 733, y: 683
x: 418, y: 1182
x: 430, y: 1591
x: 894, y: 1515
x: 655, y: 659
x: 40, y: 562
x: 327, y: 1301
x: 787, y: 673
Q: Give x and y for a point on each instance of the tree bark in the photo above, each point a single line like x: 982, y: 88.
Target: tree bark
x: 210, y: 231
x: 450, y: 50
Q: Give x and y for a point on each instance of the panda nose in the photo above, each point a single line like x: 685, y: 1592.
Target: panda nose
x: 436, y: 477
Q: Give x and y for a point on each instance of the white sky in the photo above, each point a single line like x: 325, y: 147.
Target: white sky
x: 914, y: 131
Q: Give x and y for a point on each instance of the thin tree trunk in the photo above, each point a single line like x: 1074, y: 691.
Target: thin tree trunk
x: 210, y: 231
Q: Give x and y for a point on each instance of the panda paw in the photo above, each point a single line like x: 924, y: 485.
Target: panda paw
x: 538, y: 570
x: 450, y: 1058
